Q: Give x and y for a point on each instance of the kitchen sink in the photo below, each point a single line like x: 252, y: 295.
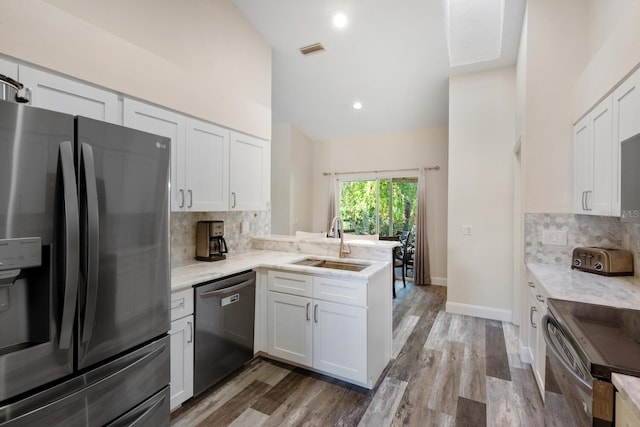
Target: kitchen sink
x: 335, y: 265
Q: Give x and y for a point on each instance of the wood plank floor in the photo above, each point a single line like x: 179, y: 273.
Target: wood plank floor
x: 448, y: 370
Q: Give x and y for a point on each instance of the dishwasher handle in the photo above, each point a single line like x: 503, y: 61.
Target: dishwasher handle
x: 228, y: 289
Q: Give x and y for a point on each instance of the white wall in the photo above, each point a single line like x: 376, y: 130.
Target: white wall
x: 301, y: 212
x: 556, y: 55
x: 481, y: 138
x: 399, y: 150
x: 280, y: 178
x: 203, y: 59
x: 291, y: 180
x: 619, y: 53
x: 604, y: 16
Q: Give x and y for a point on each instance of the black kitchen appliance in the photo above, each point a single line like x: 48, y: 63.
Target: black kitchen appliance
x: 210, y: 243
x: 586, y: 343
x: 84, y: 272
x: 224, y: 318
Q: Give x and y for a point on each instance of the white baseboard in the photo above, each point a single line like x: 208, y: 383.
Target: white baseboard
x: 479, y: 311
x: 440, y: 281
x: 525, y: 355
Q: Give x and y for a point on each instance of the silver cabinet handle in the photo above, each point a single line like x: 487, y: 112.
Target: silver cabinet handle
x: 190, y: 199
x: 540, y: 298
x: 308, y: 306
x: 181, y: 198
x: 177, y: 306
x: 531, y: 311
x: 190, y: 340
x: 315, y: 313
x: 234, y: 199
x: 584, y: 208
x: 531, y: 284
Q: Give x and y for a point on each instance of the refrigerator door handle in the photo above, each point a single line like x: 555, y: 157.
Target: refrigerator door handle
x: 72, y: 243
x: 88, y: 174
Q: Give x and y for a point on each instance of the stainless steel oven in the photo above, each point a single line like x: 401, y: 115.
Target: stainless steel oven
x: 586, y: 343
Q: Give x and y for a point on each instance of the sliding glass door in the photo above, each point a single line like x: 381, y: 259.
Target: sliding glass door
x: 384, y: 206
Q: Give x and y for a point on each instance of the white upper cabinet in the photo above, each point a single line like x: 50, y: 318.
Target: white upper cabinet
x: 583, y: 154
x: 626, y: 113
x: 250, y: 173
x: 599, y: 200
x: 207, y: 166
x: 69, y: 96
x: 594, y: 151
x: 597, y: 138
x: 9, y: 69
x: 145, y: 117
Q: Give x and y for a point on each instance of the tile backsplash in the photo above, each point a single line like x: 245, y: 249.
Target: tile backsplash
x: 582, y: 230
x: 183, y: 231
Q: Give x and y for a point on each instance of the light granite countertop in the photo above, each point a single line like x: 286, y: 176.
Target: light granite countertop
x: 629, y: 388
x: 195, y: 272
x: 562, y: 282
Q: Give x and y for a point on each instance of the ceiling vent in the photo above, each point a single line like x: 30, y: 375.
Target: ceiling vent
x: 312, y: 48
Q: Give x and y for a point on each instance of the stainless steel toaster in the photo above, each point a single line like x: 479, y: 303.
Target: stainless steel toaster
x: 605, y: 261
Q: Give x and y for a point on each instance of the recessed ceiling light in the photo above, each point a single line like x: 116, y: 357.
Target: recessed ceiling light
x: 340, y: 20
x: 357, y: 105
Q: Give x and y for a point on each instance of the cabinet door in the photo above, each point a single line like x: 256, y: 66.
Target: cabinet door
x: 9, y: 69
x: 148, y: 118
x: 625, y: 417
x: 583, y: 151
x: 340, y: 340
x: 69, y: 96
x: 250, y: 171
x: 207, y: 167
x: 289, y: 331
x: 599, y: 200
x: 626, y: 111
x: 181, y: 360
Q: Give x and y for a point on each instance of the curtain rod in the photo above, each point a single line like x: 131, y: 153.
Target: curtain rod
x: 435, y: 168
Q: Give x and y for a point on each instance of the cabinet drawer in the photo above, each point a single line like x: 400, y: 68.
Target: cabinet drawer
x: 181, y: 304
x: 290, y: 283
x: 340, y: 290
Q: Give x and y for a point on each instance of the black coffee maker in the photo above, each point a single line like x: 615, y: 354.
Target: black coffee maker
x: 210, y: 245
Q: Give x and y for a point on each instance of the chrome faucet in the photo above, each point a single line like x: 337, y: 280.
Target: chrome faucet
x: 337, y: 227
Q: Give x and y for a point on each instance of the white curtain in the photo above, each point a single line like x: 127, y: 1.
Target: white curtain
x: 422, y: 268
x: 332, y: 201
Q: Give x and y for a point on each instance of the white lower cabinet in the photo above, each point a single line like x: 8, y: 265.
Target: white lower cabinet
x: 182, y: 335
x: 536, y: 302
x: 340, y: 339
x: 289, y: 329
x: 325, y: 323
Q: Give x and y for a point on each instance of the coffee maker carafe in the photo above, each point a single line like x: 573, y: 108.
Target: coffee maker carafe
x: 210, y: 245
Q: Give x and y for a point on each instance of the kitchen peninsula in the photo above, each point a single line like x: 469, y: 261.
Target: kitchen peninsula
x: 334, y: 321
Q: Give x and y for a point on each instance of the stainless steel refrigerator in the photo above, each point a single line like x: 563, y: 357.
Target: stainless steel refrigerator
x: 84, y: 271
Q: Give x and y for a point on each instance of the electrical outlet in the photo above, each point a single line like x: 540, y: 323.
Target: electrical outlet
x: 466, y: 230
x: 554, y: 237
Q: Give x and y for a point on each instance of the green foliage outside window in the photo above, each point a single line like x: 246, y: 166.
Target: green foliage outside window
x: 398, y: 200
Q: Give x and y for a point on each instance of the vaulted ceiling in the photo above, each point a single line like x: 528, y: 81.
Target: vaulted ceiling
x: 391, y: 56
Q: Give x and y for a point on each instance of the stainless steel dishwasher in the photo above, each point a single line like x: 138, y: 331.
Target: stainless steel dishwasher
x: 224, y: 318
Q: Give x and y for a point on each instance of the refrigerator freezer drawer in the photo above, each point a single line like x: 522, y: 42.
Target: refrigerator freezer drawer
x: 101, y: 395
x: 153, y: 412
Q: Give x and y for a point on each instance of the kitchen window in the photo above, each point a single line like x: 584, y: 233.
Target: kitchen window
x: 384, y: 206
